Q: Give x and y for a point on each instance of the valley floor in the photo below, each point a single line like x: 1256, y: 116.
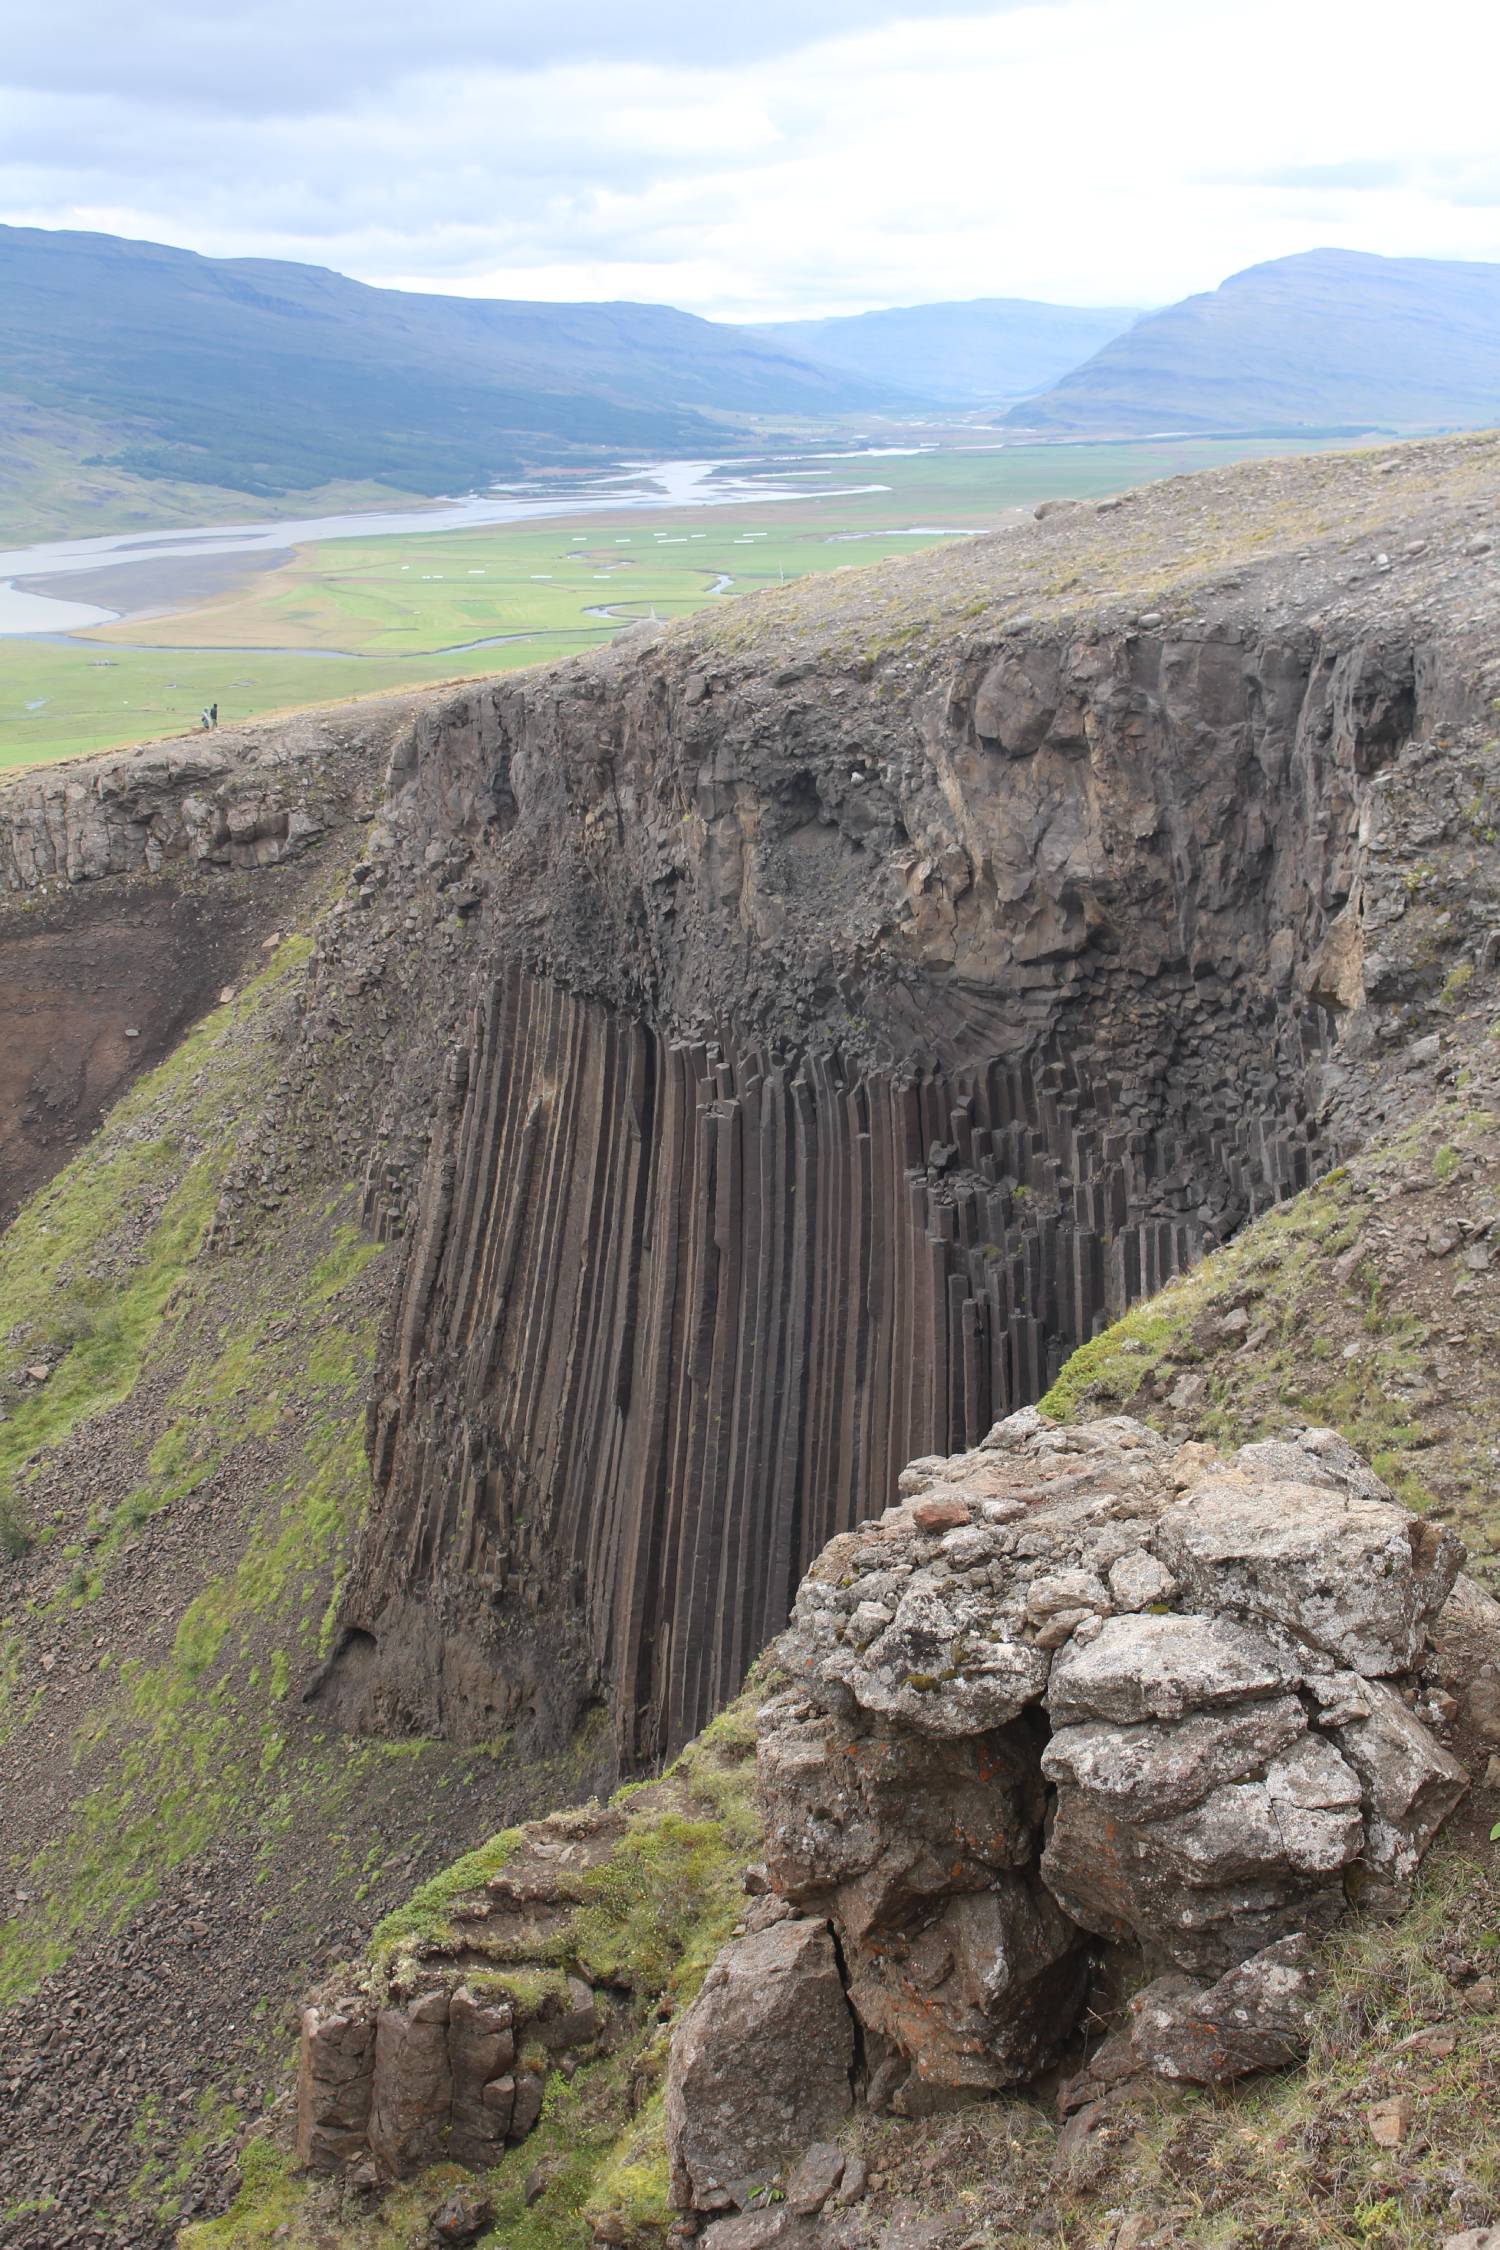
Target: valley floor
x: 352, y: 616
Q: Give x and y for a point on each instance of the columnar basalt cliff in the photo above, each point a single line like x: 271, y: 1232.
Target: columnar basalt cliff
x: 871, y: 993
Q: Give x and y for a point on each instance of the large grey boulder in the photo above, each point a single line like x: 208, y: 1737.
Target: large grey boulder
x: 1162, y: 1668
x: 760, y: 2065
x: 1257, y: 2016
x: 1151, y: 1771
x: 1253, y: 1861
x: 1213, y: 1664
x: 1349, y: 1575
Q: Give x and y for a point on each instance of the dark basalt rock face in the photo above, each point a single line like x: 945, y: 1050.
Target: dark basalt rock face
x: 843, y: 1047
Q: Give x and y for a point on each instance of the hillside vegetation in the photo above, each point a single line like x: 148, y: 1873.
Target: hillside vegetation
x: 182, y: 1470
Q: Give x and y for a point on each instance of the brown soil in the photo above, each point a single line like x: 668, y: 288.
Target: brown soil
x: 98, y: 986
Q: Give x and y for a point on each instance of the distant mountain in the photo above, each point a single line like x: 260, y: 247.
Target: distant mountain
x: 264, y: 378
x: 969, y: 354
x: 1328, y: 340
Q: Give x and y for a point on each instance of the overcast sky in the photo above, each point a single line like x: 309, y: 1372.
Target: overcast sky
x: 761, y: 158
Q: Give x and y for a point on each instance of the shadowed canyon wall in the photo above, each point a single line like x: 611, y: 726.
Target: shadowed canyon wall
x: 847, y: 1037
x: 677, y: 1313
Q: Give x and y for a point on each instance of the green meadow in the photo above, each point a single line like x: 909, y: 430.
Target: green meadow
x: 353, y: 616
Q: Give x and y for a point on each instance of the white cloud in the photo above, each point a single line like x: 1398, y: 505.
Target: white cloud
x: 1093, y: 151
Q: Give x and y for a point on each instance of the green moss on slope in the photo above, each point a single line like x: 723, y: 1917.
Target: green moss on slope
x: 92, y: 1270
x: 189, y: 1480
x: 269, y: 1377
x: 648, y: 1920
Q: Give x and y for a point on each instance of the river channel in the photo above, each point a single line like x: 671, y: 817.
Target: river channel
x: 46, y: 589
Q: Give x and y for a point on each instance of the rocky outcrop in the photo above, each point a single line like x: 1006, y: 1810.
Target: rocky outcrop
x: 385, y: 2090
x: 556, y: 1950
x: 433, y: 2058
x: 1077, y: 1687
x: 241, y: 800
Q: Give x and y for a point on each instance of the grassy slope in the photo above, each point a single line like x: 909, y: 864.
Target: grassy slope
x: 55, y: 485
x: 1282, y: 2163
x: 347, y: 617
x: 650, y: 1919
x: 178, y: 1496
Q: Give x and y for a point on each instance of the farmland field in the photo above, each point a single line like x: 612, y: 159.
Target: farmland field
x: 354, y: 615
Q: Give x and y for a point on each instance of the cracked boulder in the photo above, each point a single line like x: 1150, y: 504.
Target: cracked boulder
x: 1195, y: 1812
x: 922, y: 1853
x: 761, y: 2064
x: 1075, y: 1685
x: 1257, y: 2016
x: 1347, y: 1574
x: 976, y: 1994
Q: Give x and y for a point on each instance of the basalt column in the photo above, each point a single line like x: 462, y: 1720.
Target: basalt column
x: 676, y: 1314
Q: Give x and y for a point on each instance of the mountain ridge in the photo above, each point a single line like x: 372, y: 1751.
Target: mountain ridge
x: 971, y: 351
x: 1325, y: 340
x: 263, y: 378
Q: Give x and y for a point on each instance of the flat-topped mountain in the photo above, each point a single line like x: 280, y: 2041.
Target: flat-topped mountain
x: 964, y: 354
x: 1328, y: 340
